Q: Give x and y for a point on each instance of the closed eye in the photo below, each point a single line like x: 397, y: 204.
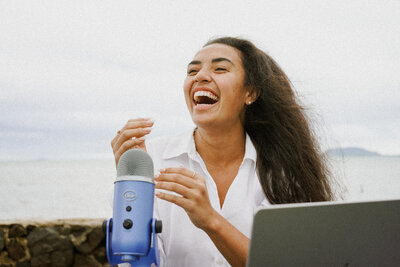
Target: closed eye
x: 220, y: 69
x: 191, y: 72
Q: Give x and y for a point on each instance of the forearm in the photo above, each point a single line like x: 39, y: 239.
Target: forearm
x: 232, y: 244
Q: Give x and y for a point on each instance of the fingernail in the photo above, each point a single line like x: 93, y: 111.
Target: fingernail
x: 161, y: 170
x: 156, y: 176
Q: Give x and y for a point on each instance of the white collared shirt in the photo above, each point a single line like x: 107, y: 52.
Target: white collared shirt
x: 181, y: 243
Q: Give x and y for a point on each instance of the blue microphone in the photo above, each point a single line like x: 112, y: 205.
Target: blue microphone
x: 131, y: 232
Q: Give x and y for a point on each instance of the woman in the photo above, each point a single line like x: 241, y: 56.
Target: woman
x: 252, y: 147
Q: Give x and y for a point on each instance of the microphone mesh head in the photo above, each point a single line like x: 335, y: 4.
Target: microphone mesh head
x: 135, y: 162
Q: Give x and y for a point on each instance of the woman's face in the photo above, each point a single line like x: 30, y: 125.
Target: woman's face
x: 214, y: 87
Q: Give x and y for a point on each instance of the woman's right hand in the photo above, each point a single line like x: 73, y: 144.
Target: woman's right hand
x: 131, y: 136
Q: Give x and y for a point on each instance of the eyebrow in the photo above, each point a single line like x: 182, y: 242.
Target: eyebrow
x: 215, y: 60
x: 220, y: 59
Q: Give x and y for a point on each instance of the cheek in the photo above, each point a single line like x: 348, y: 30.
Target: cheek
x: 235, y: 98
x: 235, y: 91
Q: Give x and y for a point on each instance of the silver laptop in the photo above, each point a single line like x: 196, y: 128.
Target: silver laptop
x: 327, y: 234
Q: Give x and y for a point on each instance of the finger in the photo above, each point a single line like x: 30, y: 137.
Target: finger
x: 183, y: 171
x: 133, y: 124
x: 176, y: 178
x: 129, y: 134
x: 128, y: 145
x: 180, y: 201
x: 114, y: 140
x: 138, y: 123
x: 174, y: 187
x: 139, y: 119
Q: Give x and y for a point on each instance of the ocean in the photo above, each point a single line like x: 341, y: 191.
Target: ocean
x: 47, y: 190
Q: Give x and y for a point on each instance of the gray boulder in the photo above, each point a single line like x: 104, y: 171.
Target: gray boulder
x: 49, y: 248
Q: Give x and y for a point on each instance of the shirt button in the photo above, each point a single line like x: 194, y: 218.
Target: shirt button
x: 220, y: 261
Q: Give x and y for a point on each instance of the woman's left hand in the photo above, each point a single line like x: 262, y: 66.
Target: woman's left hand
x: 192, y: 191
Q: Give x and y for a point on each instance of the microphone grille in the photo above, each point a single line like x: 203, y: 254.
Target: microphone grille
x: 135, y: 162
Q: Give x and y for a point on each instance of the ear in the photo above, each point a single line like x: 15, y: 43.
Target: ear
x: 251, y: 95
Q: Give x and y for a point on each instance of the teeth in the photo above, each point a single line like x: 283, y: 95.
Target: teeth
x: 205, y: 93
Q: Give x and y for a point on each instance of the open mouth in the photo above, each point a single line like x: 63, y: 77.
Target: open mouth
x: 205, y: 98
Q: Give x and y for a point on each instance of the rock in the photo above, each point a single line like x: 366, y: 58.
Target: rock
x: 49, y: 248
x: 93, y: 239
x: 55, y: 259
x: 52, y: 244
x: 15, y: 250
x: 17, y: 230
x: 5, y: 261
x: 49, y: 236
x: 62, y: 258
x: 30, y: 228
x: 63, y: 229
x: 96, y: 236
x: 85, y: 261
x: 39, y: 234
x: 100, y: 254
x: 23, y: 264
x: 78, y: 230
x: 2, y: 241
x: 42, y: 261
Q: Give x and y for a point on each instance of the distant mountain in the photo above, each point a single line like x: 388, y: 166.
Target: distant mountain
x: 352, y: 152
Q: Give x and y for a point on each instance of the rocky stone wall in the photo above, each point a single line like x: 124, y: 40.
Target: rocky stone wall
x: 58, y: 243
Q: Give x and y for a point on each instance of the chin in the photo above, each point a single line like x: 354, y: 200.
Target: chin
x: 203, y: 121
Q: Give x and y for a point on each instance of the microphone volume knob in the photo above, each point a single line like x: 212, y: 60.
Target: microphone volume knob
x: 158, y: 226
x: 127, y: 224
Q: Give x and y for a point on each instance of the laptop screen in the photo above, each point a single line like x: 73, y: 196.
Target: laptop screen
x: 327, y: 234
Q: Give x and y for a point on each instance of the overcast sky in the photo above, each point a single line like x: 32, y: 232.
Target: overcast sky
x: 73, y: 72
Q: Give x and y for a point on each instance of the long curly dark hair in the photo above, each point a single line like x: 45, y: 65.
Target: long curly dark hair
x: 290, y: 165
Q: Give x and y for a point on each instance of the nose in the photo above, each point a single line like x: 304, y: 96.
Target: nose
x: 202, y: 76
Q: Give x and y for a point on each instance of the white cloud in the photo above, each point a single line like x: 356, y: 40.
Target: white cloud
x: 73, y: 72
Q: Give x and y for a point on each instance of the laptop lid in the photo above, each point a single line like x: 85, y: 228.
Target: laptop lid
x: 327, y: 234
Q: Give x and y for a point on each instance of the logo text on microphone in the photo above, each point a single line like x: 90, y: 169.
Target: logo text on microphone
x: 130, y: 195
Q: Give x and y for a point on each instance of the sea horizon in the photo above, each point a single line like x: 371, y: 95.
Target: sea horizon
x: 79, y: 188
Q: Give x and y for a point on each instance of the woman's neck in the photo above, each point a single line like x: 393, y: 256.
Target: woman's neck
x: 223, y: 146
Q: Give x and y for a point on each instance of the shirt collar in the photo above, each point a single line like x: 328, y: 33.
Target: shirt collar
x: 184, y: 144
x: 250, y: 152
